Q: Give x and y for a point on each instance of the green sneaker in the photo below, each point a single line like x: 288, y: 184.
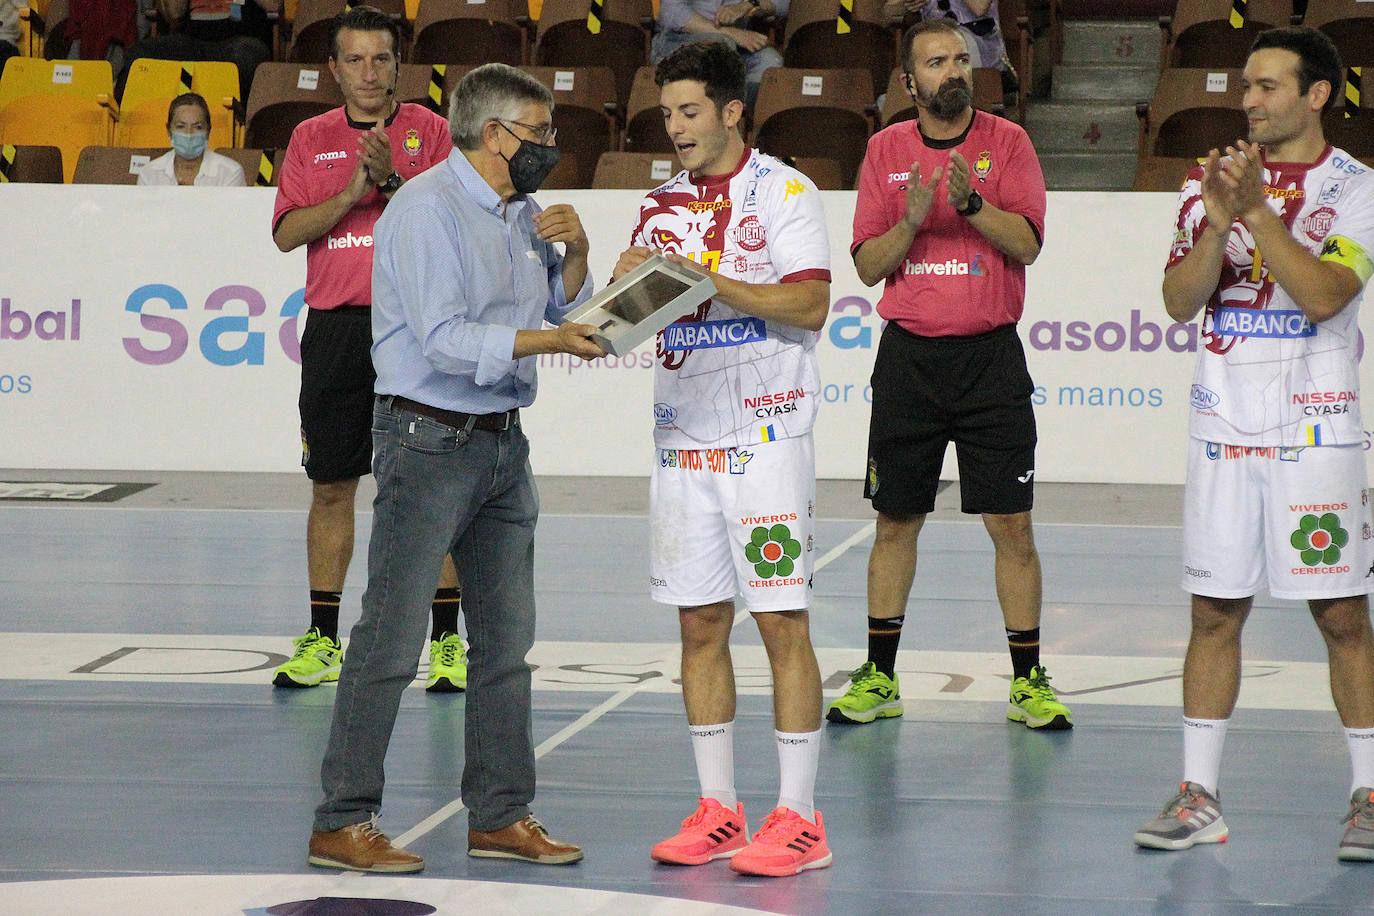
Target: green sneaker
x: 448, y: 665
x: 871, y: 695
x: 317, y: 660
x: 1034, y: 703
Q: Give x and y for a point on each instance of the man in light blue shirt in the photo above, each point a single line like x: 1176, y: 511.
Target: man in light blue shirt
x: 465, y: 273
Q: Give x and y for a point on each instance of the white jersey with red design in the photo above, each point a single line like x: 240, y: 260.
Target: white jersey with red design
x: 724, y: 378
x: 1266, y: 375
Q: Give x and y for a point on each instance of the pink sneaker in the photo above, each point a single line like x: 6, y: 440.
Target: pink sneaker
x: 786, y: 844
x: 711, y: 832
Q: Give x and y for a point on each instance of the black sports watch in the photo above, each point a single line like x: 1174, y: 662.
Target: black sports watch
x: 972, y: 205
x: 392, y: 183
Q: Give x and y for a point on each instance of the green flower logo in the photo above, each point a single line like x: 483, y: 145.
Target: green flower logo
x: 772, y: 551
x: 1319, y: 540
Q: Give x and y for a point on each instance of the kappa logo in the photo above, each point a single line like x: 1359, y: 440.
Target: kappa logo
x: 794, y: 187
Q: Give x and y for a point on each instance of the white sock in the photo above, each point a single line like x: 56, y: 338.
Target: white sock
x: 1361, y: 741
x: 714, y: 748
x: 799, y: 753
x: 1202, y: 743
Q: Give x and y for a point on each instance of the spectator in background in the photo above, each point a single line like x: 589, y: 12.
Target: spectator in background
x: 234, y: 30
x: 189, y: 162
x: 977, y: 21
x: 9, y: 30
x: 743, y: 25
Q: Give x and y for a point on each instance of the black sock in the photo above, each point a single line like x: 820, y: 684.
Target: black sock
x: 1025, y: 651
x: 446, y: 604
x: 884, y: 633
x: 324, y: 612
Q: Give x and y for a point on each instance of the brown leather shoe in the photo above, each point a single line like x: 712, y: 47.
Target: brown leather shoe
x: 360, y: 847
x: 526, y: 840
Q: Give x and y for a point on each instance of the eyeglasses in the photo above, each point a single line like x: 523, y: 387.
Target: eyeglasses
x: 544, y: 135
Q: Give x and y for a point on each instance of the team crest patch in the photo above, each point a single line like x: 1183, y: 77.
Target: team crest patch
x: 412, y: 142
x: 983, y: 165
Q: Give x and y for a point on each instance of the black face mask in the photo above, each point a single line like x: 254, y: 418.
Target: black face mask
x: 531, y: 163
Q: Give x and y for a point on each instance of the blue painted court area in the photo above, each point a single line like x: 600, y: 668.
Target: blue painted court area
x: 141, y: 782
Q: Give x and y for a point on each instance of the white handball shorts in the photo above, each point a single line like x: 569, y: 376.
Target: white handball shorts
x: 1301, y: 515
x: 734, y: 522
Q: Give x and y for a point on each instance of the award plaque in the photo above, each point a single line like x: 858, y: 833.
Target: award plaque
x: 643, y: 302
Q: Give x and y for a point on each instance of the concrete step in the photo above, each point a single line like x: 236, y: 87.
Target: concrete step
x: 1134, y: 43
x: 1104, y: 82
x: 1082, y: 127
x: 1088, y: 171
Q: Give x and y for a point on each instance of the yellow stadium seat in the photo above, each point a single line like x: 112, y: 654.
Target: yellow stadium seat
x: 154, y: 83
x: 62, y: 103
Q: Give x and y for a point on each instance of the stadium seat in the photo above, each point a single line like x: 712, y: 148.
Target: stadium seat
x: 825, y: 174
x: 634, y: 170
x: 1349, y: 23
x: 1351, y: 126
x: 31, y: 164
x: 310, y: 26
x: 621, y: 42
x: 472, y: 32
x: 1217, y: 33
x: 825, y: 113
x: 113, y: 164
x: 283, y: 95
x: 423, y: 84
x: 585, y: 113
x: 1162, y: 173
x: 154, y: 83
x: 260, y: 166
x: 68, y: 104
x: 644, y: 131
x: 987, y: 95
x: 817, y: 36
x: 1194, y: 109
x: 570, y: 172
x: 39, y: 19
x: 1016, y: 19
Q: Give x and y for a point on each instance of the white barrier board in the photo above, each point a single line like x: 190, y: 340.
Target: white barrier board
x: 156, y: 328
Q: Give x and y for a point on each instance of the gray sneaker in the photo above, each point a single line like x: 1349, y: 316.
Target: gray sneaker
x: 1191, y: 816
x: 1358, y: 843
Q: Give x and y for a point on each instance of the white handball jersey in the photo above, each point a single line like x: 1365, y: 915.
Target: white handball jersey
x: 723, y: 378
x: 1265, y: 375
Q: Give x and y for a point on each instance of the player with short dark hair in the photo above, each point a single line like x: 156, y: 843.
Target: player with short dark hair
x: 1273, y: 245
x: 732, y: 494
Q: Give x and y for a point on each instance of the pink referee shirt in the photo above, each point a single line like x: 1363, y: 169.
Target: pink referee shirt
x: 953, y: 282
x: 318, y: 164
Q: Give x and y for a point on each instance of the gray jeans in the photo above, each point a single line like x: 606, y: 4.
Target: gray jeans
x: 441, y: 490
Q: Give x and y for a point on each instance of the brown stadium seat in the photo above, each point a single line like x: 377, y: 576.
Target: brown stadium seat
x: 1162, y: 173
x: 283, y: 95
x: 585, y: 113
x: 261, y: 167
x: 816, y: 36
x: 1349, y: 23
x: 644, y: 130
x: 793, y: 103
x: 31, y: 164
x: 466, y: 32
x: 1194, y: 109
x: 112, y: 164
x: 564, y: 38
x: 1217, y: 33
x: 635, y: 170
x: 310, y: 26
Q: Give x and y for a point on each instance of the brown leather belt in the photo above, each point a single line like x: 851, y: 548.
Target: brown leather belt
x: 492, y: 422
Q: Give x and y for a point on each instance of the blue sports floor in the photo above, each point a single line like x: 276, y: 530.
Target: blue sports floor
x: 147, y: 765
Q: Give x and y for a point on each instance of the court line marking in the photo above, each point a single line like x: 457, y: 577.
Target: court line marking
x: 592, y: 715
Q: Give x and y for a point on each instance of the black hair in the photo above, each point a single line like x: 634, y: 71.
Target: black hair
x: 363, y: 19
x: 188, y: 98
x: 1318, y: 58
x: 715, y: 64
x: 924, y: 27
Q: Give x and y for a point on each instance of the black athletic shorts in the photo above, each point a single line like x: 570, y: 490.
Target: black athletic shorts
x: 929, y: 391
x: 336, y: 393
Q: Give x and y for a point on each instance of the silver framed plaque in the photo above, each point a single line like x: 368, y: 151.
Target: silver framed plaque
x: 643, y: 302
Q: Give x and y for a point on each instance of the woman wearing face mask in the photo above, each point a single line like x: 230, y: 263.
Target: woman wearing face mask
x: 189, y: 162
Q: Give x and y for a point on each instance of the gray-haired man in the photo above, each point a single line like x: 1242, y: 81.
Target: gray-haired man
x: 465, y: 273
